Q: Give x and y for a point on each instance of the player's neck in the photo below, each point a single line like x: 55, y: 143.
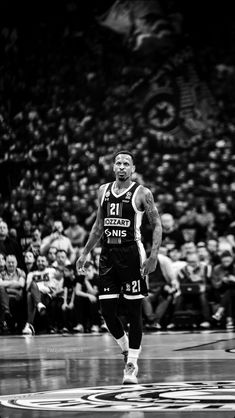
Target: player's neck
x: 122, y: 185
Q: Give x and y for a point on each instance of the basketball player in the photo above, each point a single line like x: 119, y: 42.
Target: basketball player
x: 123, y: 264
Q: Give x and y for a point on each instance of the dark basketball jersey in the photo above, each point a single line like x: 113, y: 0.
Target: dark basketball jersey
x: 122, y: 219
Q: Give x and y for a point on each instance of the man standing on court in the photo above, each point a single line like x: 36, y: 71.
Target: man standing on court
x: 123, y: 264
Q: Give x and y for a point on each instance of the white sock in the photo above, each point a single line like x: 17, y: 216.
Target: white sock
x: 133, y: 355
x: 123, y: 342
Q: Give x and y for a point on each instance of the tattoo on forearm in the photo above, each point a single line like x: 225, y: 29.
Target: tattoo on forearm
x: 155, y: 222
x: 157, y: 238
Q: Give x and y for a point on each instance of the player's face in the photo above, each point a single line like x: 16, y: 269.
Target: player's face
x: 123, y: 167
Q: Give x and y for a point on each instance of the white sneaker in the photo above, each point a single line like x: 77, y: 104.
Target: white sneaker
x: 41, y: 308
x: 28, y: 329
x: 218, y: 315
x: 229, y: 323
x: 170, y: 326
x: 78, y: 328
x: 205, y: 325
x: 95, y: 328
x: 103, y: 327
x: 130, y: 374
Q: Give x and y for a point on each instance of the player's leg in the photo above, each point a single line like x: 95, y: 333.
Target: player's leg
x: 109, y: 310
x: 134, y: 289
x: 109, y: 291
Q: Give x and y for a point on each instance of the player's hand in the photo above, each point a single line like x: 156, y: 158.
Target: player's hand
x: 80, y: 264
x: 149, y: 265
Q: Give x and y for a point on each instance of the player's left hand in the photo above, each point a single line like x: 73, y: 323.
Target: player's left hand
x: 149, y: 265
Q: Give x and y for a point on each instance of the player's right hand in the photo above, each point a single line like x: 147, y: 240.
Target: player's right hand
x: 80, y: 264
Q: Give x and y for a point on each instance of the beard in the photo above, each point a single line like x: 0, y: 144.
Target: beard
x: 122, y: 177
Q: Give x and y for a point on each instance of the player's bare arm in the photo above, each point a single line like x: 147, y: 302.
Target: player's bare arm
x: 146, y: 201
x: 95, y: 234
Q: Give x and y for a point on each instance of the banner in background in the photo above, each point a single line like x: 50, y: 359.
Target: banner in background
x: 145, y: 25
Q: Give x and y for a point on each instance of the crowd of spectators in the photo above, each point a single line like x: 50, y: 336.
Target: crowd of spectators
x: 67, y: 106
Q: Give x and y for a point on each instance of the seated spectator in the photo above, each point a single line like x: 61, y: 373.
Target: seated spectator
x: 59, y: 241
x: 176, y: 257
x: 40, y: 285
x: 162, y: 287
x: 57, y: 300
x: 191, y: 226
x: 96, y: 258
x: 9, y: 245
x: 29, y: 261
x: 5, y: 315
x: 223, y: 289
x: 60, y: 262
x: 68, y: 299
x: 188, y: 247
x: 36, y: 242
x: 86, y: 301
x: 51, y: 256
x: 212, y: 247
x: 223, y: 219
x: 75, y: 232
x: 194, y: 273
x: 203, y: 253
x: 171, y: 235
x: 12, y: 283
x: 25, y: 235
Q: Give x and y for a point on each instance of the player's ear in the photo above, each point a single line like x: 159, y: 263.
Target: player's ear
x: 133, y: 169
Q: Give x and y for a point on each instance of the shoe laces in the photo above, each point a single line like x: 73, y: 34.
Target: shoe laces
x: 130, y: 368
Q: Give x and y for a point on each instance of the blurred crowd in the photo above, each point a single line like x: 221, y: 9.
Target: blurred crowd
x: 67, y: 105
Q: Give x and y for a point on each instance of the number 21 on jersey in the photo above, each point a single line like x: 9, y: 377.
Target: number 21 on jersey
x: 114, y: 209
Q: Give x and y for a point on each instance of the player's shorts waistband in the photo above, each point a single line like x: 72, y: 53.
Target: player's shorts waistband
x: 124, y: 244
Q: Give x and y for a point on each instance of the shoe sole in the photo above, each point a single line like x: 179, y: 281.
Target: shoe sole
x: 130, y: 383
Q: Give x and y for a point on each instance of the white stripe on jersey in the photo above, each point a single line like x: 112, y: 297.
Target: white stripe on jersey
x: 104, y: 193
x: 133, y: 296
x: 113, y: 296
x: 138, y: 216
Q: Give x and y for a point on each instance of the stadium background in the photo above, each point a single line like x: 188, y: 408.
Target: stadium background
x: 74, y: 91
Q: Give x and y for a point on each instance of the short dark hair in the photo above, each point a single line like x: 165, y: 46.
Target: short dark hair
x: 226, y: 253
x: 124, y: 152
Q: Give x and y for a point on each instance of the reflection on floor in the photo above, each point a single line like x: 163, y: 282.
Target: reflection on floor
x: 42, y: 363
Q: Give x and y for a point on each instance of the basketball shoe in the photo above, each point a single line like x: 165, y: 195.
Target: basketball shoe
x: 130, y: 374
x: 28, y: 329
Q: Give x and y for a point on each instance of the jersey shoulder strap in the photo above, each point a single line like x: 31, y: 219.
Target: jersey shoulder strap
x: 107, y: 189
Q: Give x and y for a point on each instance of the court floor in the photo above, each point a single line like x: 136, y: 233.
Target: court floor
x: 181, y: 374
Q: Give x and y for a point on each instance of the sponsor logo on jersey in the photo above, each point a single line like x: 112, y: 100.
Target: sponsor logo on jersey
x: 188, y: 397
x: 128, y: 195
x: 123, y: 223
x: 115, y: 233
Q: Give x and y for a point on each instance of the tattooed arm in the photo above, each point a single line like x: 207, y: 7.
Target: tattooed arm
x: 95, y: 234
x: 146, y: 202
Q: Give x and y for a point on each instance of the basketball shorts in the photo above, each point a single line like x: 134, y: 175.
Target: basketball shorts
x: 119, y: 272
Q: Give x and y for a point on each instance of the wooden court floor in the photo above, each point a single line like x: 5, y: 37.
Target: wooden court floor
x: 181, y: 374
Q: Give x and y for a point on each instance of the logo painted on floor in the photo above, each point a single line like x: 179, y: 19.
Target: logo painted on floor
x: 183, y: 396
